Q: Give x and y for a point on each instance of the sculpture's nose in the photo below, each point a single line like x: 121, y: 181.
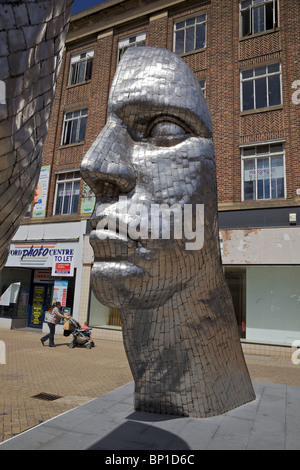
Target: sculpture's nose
x: 109, y: 160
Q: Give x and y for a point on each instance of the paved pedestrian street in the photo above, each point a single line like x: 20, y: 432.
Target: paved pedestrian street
x: 76, y: 375
x: 80, y: 375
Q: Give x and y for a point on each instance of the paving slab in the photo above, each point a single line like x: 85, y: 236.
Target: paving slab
x: 109, y: 422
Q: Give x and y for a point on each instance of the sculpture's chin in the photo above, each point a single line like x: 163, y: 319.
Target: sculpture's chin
x: 127, y: 287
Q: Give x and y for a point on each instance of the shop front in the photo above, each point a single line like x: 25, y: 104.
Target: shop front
x: 36, y: 275
x: 262, y: 268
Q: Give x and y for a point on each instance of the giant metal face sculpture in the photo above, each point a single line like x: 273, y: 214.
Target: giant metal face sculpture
x: 32, y: 36
x: 178, y: 322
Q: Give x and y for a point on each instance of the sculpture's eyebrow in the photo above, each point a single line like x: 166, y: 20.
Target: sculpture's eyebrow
x: 138, y: 114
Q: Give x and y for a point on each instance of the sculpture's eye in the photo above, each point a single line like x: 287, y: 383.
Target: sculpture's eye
x: 166, y: 129
x: 167, y: 132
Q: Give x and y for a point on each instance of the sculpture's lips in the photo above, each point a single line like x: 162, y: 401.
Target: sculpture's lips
x: 104, y: 234
x: 112, y: 246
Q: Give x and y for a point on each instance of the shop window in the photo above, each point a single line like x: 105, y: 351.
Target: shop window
x: 81, y: 67
x: 67, y: 193
x: 190, y: 34
x: 263, y: 172
x: 134, y: 41
x: 14, y: 292
x: 236, y: 280
x: 269, y: 297
x: 74, y: 127
x: 257, y: 16
x: 261, y: 87
x: 103, y: 317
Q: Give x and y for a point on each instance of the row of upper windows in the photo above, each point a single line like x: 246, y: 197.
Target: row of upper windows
x: 256, y: 16
x: 260, y: 88
x: 263, y: 178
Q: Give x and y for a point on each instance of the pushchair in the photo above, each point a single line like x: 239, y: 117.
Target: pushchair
x: 81, y: 336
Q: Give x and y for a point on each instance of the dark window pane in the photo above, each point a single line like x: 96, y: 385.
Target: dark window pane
x: 73, y: 74
x: 276, y: 14
x: 59, y: 202
x: 248, y: 151
x: 246, y: 22
x: 180, y: 25
x: 273, y: 68
x: 246, y: 3
x: 247, y: 73
x: 73, y: 136
x: 260, y: 71
x: 75, y: 197
x: 263, y: 189
x: 248, y: 97
x: 179, y: 47
x: 190, y: 40
x: 277, y: 175
x: 275, y: 148
x: 67, y: 135
x: 269, y: 16
x: 67, y: 199
x: 249, y: 179
x: 200, y: 36
x: 74, y: 205
x: 274, y: 90
x: 262, y: 149
x: 261, y: 93
x: 259, y: 19
x: 249, y: 190
x: 278, y: 188
x: 65, y: 208
x: 263, y: 178
x: 89, y: 68
x: 190, y: 22
x: 201, y: 18
x: 82, y: 129
x: 81, y: 72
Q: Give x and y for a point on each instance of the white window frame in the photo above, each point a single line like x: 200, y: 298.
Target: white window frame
x: 257, y: 77
x: 257, y: 156
x: 254, y: 4
x: 70, y: 177
x: 71, y: 119
x: 186, y: 27
x: 137, y: 40
x: 76, y: 60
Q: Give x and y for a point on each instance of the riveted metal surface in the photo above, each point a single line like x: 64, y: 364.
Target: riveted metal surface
x: 32, y: 37
x: 178, y: 321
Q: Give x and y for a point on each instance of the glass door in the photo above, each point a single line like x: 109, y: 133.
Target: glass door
x: 37, y: 306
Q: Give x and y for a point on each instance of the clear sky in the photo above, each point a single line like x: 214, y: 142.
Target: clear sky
x: 80, y: 5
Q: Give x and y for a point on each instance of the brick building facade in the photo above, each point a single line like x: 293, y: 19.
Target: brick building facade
x: 245, y: 55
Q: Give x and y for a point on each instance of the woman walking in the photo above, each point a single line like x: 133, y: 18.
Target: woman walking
x: 55, y: 316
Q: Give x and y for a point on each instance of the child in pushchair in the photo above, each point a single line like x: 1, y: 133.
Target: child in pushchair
x: 81, y: 335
